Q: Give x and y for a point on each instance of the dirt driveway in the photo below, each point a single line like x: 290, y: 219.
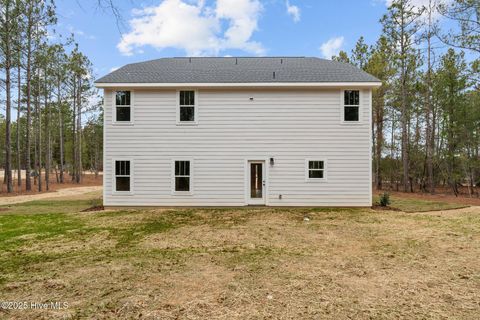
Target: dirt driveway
x: 67, y: 192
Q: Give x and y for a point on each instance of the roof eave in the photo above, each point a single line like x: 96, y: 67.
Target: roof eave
x: 369, y: 84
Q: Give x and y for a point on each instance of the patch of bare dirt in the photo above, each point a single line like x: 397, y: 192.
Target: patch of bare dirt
x: 71, y: 193
x: 94, y: 208
x: 384, y: 208
x: 455, y: 213
x: 88, y: 180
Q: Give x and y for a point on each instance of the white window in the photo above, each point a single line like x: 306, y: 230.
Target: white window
x: 187, y: 107
x: 123, y: 107
x: 122, y: 176
x: 351, y: 106
x: 315, y: 170
x: 182, y: 183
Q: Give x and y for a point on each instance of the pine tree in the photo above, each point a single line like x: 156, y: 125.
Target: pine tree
x: 8, y: 18
x: 379, y: 65
x: 430, y: 30
x: 467, y: 15
x: 342, y: 57
x: 400, y: 25
x: 451, y: 84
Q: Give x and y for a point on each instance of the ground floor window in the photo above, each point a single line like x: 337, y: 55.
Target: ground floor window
x: 315, y: 170
x: 182, y: 175
x: 122, y: 175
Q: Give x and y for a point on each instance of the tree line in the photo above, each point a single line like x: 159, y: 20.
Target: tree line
x: 426, y: 114
x: 46, y: 85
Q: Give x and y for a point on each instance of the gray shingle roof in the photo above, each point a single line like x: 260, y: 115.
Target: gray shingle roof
x: 237, y: 70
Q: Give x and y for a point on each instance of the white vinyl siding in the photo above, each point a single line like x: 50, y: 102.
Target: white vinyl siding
x: 289, y: 125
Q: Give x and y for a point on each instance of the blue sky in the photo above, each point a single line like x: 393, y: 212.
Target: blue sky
x: 269, y: 27
x: 164, y: 28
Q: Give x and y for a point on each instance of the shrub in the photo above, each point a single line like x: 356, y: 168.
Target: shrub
x: 385, y: 199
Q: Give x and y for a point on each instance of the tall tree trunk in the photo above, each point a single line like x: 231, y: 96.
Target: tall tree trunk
x: 433, y: 142
x: 392, y: 149
x: 79, y: 132
x: 405, y: 160
x: 35, y: 150
x: 404, y: 116
x: 430, y: 145
x: 8, y: 146
x: 28, y: 181
x: 39, y: 134
x: 379, y: 141
x: 476, y: 173
x: 19, y: 98
x: 47, y: 129
x: 74, y: 132
x: 8, y: 57
x: 96, y: 154
x: 60, y: 117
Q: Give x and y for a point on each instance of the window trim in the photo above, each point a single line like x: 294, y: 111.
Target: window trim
x: 343, y: 105
x: 307, y: 170
x: 195, y: 108
x: 114, y: 108
x: 182, y: 193
x: 114, y: 177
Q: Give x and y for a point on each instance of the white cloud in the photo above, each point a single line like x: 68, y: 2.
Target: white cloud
x: 114, y: 68
x: 195, y: 27
x: 293, y: 10
x: 332, y: 47
x: 243, y: 16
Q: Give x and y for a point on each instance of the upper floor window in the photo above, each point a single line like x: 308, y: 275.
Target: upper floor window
x: 122, y: 176
x: 351, y: 106
x: 186, y: 107
x: 123, y: 106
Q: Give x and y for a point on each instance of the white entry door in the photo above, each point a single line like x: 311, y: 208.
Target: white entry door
x: 256, y: 182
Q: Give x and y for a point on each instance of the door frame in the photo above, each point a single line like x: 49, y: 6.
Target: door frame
x: 265, y: 173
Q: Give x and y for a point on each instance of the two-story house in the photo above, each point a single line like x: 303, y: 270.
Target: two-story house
x: 277, y: 131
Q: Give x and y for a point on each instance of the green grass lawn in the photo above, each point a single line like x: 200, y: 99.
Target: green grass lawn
x: 239, y: 263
